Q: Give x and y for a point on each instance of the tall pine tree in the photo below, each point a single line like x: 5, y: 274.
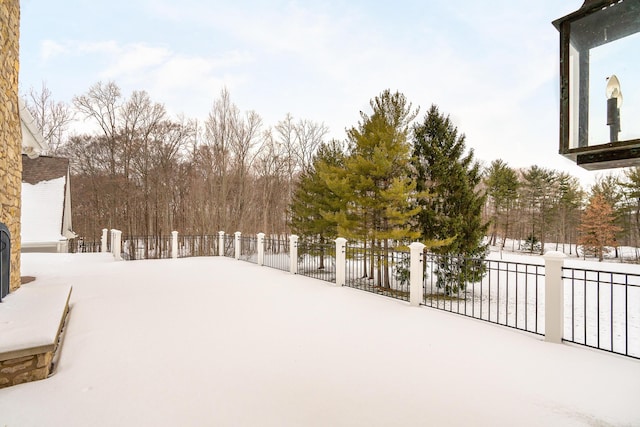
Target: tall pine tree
x: 314, y: 203
x: 374, y: 181
x: 538, y: 192
x: 453, y: 207
x: 313, y: 197
x: 502, y: 188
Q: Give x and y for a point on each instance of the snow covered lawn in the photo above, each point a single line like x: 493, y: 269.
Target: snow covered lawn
x: 220, y: 342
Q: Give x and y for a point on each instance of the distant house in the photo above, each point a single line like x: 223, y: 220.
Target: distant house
x: 46, y: 194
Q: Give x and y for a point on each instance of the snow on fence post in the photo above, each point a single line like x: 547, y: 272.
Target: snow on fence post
x: 341, y: 261
x: 116, y: 244
x: 260, y: 243
x: 293, y: 254
x: 103, y: 240
x: 174, y: 244
x: 416, y: 274
x: 553, y: 296
x: 237, y: 244
x: 221, y: 243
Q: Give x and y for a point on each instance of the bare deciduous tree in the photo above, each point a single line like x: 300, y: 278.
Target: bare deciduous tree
x: 53, y: 118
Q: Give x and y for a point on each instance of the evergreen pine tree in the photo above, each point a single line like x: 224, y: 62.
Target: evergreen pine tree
x: 538, y: 192
x: 313, y: 200
x: 374, y: 181
x: 570, y: 202
x: 453, y: 207
x: 502, y: 188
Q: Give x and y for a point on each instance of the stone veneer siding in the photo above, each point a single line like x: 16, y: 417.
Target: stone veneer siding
x: 10, y: 131
x: 25, y: 369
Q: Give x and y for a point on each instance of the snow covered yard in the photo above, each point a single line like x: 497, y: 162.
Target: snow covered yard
x: 220, y: 342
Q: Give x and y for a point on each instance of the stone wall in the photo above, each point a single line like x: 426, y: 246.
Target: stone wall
x: 24, y: 369
x: 10, y: 131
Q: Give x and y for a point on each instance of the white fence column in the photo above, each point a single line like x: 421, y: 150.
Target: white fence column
x: 103, y: 240
x: 416, y: 274
x: 260, y: 243
x: 174, y: 244
x: 221, y: 243
x: 293, y: 254
x: 238, y: 244
x: 116, y: 244
x: 113, y: 237
x: 553, y: 297
x: 341, y: 261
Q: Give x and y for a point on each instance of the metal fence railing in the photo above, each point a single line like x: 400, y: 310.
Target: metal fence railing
x: 602, y: 310
x: 378, y: 270
x: 317, y: 260
x: 249, y: 249
x: 195, y: 246
x: 502, y: 292
x: 146, y: 247
x: 277, y: 253
x: 80, y: 245
x: 229, y: 245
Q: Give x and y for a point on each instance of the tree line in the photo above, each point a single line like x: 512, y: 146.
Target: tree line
x: 146, y: 173
x: 393, y: 178
x: 536, y: 205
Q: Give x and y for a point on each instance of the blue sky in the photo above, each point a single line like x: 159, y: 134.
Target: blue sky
x: 493, y: 67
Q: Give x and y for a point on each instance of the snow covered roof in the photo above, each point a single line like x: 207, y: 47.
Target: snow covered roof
x: 42, y: 207
x: 44, y: 181
x: 33, y: 142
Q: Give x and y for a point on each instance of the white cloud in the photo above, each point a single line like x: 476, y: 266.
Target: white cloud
x: 185, y: 82
x: 134, y: 59
x: 50, y: 49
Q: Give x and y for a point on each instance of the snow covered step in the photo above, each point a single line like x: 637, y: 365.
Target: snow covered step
x: 31, y: 320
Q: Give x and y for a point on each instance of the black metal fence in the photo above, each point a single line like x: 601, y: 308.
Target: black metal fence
x: 195, y: 246
x: 80, y: 245
x: 146, y: 247
x: 229, y: 246
x: 503, y: 292
x: 317, y: 260
x: 277, y: 253
x: 378, y: 270
x: 249, y: 249
x: 602, y: 310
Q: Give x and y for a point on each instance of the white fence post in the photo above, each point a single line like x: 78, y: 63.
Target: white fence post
x: 416, y: 274
x: 553, y: 297
x: 113, y: 239
x: 260, y: 243
x: 341, y: 261
x: 116, y: 244
x: 174, y: 244
x: 221, y: 243
x: 103, y: 240
x: 237, y: 244
x: 293, y: 254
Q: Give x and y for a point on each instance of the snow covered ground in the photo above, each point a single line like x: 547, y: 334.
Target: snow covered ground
x: 220, y: 342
